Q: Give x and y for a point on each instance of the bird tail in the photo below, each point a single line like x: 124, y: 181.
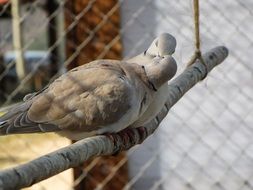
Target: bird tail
x: 10, y: 116
x: 16, y: 121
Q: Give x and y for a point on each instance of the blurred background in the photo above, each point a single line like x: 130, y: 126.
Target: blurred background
x: 204, y: 143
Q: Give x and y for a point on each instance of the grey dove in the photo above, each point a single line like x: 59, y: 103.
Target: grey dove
x: 103, y: 96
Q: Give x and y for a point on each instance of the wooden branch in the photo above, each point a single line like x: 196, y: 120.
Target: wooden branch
x: 53, y: 163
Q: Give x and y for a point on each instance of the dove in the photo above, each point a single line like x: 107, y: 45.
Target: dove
x: 163, y: 45
x: 103, y: 96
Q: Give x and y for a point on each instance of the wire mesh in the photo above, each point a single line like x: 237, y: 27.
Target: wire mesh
x: 205, y: 142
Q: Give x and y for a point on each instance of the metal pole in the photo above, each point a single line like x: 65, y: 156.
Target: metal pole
x: 17, y: 39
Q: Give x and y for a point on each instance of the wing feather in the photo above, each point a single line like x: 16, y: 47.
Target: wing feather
x: 86, y: 98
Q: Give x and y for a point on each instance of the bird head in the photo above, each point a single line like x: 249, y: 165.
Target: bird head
x: 157, y: 60
x: 160, y: 70
x: 165, y: 44
x: 161, y: 66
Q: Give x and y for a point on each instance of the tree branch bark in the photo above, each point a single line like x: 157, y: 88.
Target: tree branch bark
x: 53, y: 163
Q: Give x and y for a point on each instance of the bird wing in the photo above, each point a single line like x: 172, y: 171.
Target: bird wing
x: 84, y: 99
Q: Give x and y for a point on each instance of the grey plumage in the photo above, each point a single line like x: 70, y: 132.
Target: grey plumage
x: 103, y: 96
x: 16, y: 121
